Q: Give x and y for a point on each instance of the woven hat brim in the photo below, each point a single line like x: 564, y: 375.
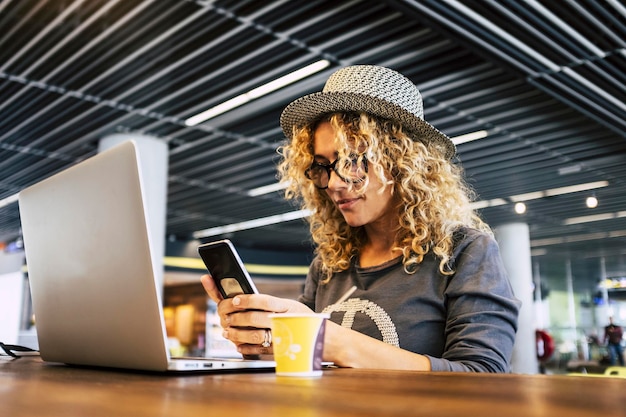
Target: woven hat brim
x: 312, y: 107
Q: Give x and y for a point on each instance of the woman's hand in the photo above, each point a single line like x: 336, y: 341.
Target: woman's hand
x: 245, y: 317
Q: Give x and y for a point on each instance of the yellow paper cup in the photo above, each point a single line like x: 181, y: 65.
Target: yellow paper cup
x: 298, y: 341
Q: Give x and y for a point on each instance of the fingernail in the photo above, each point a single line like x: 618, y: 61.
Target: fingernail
x: 225, y: 334
x: 236, y: 301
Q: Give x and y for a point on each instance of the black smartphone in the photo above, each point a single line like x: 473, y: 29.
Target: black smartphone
x: 226, y: 268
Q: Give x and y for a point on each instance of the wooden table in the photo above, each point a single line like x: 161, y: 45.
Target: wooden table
x: 29, y: 387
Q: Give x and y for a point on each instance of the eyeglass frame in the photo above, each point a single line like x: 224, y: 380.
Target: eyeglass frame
x: 328, y: 167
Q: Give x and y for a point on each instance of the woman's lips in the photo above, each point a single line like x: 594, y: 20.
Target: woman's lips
x: 346, y: 203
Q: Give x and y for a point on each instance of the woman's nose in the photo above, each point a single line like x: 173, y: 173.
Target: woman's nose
x: 334, y: 181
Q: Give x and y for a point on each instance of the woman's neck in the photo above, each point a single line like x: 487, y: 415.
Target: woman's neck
x: 379, y: 248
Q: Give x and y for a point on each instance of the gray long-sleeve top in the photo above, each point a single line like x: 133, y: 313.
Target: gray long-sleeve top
x: 462, y: 322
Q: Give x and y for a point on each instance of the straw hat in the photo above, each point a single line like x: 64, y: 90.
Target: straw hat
x: 371, y: 89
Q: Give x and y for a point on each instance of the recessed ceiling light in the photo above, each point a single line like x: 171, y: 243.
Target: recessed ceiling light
x: 592, y: 201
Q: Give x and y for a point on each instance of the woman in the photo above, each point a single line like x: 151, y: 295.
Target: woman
x: 391, y: 216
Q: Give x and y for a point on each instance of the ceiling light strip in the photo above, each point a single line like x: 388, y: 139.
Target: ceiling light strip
x: 252, y: 224
x: 9, y: 200
x: 577, y: 238
x: 558, y: 191
x: 576, y: 188
x: 477, y: 205
x: 266, y: 189
x: 594, y: 218
x: 469, y: 137
x: 258, y: 92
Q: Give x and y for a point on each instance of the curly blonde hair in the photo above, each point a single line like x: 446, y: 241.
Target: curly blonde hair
x: 433, y: 199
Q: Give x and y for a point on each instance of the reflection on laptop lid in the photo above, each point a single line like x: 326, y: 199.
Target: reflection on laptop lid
x: 91, y: 272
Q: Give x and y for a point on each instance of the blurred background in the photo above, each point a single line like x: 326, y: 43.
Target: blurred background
x: 532, y: 92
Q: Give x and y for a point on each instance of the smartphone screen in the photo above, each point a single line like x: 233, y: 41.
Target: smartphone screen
x: 226, y: 268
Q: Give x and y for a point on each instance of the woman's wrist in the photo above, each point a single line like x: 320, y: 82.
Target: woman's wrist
x: 337, y: 345
x: 351, y: 349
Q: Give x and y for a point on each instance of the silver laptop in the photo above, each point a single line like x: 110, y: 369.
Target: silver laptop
x: 91, y: 272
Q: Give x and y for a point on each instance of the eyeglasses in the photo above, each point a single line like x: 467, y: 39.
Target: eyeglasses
x: 352, y: 171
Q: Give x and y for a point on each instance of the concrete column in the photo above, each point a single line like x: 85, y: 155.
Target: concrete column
x: 514, y: 242
x: 153, y: 156
x: 571, y: 300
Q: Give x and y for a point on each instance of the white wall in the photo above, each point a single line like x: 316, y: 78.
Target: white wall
x: 11, y: 296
